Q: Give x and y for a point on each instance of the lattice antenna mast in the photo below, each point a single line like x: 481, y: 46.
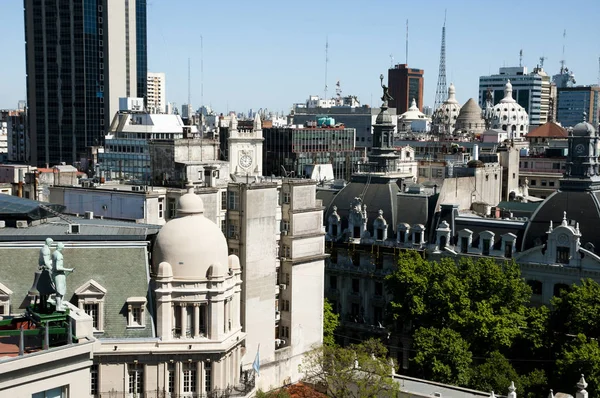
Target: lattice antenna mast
x: 189, y: 84
x: 599, y: 71
x: 441, y: 91
x: 406, y: 46
x: 562, y: 61
x: 326, y: 63
x: 201, y: 71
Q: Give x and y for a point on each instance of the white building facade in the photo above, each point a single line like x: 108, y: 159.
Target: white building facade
x: 156, y: 93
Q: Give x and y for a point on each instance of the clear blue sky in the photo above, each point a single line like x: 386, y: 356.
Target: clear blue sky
x: 272, y: 53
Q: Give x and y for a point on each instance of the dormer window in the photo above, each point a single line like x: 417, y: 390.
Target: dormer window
x: 4, y: 300
x: 91, y: 299
x: 485, y: 250
x: 136, y: 311
x: 356, y: 233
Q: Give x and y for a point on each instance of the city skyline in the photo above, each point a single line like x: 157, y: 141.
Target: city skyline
x: 273, y: 55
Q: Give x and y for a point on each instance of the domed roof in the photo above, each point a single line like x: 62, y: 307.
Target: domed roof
x: 448, y: 112
x: 508, y: 115
x: 384, y: 117
x: 581, y: 206
x: 583, y: 128
x: 470, y: 110
x: 193, y: 245
x: 413, y: 113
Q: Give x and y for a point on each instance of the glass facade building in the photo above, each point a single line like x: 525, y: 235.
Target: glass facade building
x: 295, y: 148
x: 67, y: 55
x: 141, y: 48
x: 574, y: 101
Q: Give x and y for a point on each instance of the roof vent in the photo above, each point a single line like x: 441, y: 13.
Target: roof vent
x: 89, y: 215
x: 74, y: 228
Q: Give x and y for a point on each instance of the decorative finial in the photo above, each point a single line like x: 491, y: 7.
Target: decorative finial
x: 492, y: 395
x: 582, y: 384
x: 551, y: 227
x: 564, y: 220
x: 584, y: 116
x: 335, y: 209
x: 577, y: 228
x: 380, y: 213
x: 551, y: 395
x: 189, y: 186
x: 512, y: 387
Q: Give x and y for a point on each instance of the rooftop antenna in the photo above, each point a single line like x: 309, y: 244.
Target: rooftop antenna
x: 542, y: 59
x: 441, y: 90
x: 189, y: 84
x: 562, y: 61
x: 391, y: 61
x: 407, y: 42
x: 338, y: 90
x: 520, y: 58
x: 326, y: 63
x: 201, y: 71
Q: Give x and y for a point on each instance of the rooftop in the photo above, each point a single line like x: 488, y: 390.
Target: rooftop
x: 548, y: 130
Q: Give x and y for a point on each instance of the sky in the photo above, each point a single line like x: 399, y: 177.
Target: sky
x: 271, y: 54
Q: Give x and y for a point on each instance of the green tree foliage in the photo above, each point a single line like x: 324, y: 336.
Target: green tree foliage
x: 578, y: 310
x: 331, y: 321
x: 442, y: 355
x: 579, y: 356
x: 357, y: 371
x: 495, y: 374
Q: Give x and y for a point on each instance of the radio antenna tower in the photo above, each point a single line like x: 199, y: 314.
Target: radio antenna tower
x: 406, y: 42
x: 189, y: 84
x: 326, y: 63
x: 562, y: 61
x: 441, y: 91
x: 201, y: 71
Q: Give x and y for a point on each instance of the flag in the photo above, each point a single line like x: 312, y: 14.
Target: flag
x: 256, y: 363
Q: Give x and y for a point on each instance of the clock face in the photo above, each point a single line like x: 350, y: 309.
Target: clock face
x: 245, y: 161
x: 580, y: 149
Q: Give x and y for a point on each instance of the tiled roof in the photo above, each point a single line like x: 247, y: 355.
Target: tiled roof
x: 122, y: 271
x: 548, y: 130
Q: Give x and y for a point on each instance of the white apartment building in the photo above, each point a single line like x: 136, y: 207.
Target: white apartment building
x: 156, y: 93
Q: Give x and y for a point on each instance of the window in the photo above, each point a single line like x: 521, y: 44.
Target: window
x: 136, y: 312
x: 333, y: 282
x: 563, y: 255
x: 486, y: 247
x: 536, y: 287
x: 333, y: 256
x: 560, y: 289
x: 172, y: 207
x: 224, y: 200
x: 286, y: 251
x: 207, y: 377
x: 232, y: 231
x: 508, y: 249
x: 355, y: 285
x: 286, y: 197
x: 4, y: 300
x: 171, y: 378
x: 356, y: 258
x: 160, y: 208
x: 136, y: 378
x: 378, y: 289
x: 544, y: 183
x: 525, y: 164
x: 356, y: 232
x: 379, y: 261
x: 224, y: 226
x: 555, y: 166
x: 189, y: 377
x: 285, y: 225
x: 58, y: 392
x: 90, y: 298
x: 232, y: 200
x: 94, y: 380
x: 533, y: 182
x: 551, y: 183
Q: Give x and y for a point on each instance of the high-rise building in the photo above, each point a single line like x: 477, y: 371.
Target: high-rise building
x: 155, y: 97
x: 16, y: 134
x: 530, y: 90
x: 81, y: 57
x: 405, y: 84
x: 574, y: 101
x: 141, y: 47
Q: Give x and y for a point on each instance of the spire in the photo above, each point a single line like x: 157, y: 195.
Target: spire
x: 581, y: 386
x: 551, y: 227
x: 511, y: 390
x: 564, y: 220
x: 413, y: 105
x: 257, y: 122
x: 451, y: 95
x: 508, y: 93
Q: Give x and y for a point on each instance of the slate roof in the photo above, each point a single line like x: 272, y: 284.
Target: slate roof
x: 582, y: 207
x: 548, y: 130
x: 377, y: 192
x: 122, y: 271
x: 89, y: 230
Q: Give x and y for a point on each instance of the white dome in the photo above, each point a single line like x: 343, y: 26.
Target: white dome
x: 193, y: 245
x: 413, y: 113
x: 448, y: 112
x: 508, y: 115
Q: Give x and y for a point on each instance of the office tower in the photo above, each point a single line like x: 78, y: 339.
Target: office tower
x: 405, y: 84
x: 141, y: 48
x: 155, y: 98
x: 573, y: 102
x: 81, y: 57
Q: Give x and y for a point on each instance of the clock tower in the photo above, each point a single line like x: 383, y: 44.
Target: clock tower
x: 582, y: 170
x: 245, y: 148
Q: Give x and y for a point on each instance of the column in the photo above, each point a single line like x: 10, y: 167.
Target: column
x: 183, y: 320
x: 199, y: 378
x: 196, y: 320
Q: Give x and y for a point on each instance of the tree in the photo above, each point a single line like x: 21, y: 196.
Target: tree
x: 578, y: 310
x: 442, y: 355
x: 360, y: 370
x: 495, y: 374
x: 331, y: 321
x: 579, y: 356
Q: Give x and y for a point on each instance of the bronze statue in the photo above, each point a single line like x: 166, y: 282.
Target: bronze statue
x: 386, y: 95
x: 59, y: 273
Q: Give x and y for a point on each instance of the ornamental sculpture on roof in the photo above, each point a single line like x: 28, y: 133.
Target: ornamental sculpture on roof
x: 51, y: 277
x: 59, y: 274
x: 386, y: 95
